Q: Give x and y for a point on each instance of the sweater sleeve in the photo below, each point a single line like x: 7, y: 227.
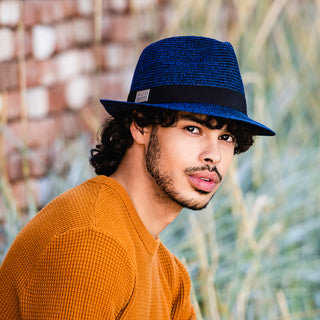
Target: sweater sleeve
x: 182, y: 308
x: 81, y: 274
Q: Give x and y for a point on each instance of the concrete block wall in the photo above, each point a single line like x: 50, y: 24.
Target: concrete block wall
x: 57, y: 57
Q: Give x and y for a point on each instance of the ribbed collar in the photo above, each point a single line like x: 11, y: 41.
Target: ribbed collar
x: 150, y: 243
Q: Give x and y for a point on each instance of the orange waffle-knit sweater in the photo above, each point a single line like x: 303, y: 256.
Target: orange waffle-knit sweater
x: 87, y: 255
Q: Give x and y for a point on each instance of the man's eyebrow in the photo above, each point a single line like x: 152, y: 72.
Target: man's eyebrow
x: 204, y: 121
x: 193, y: 117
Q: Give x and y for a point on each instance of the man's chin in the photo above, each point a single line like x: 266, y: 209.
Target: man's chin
x: 198, y: 205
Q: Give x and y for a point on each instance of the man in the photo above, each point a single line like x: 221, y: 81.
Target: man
x: 94, y: 252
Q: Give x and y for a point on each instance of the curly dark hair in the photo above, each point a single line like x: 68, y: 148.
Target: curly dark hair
x: 115, y: 136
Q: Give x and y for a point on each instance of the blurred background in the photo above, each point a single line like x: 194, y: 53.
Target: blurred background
x: 254, y: 253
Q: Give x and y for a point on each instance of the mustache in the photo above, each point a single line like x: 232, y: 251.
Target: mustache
x: 204, y: 168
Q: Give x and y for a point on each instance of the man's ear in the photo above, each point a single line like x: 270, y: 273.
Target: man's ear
x: 138, y: 134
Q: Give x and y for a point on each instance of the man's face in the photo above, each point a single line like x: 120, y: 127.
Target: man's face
x: 188, y: 161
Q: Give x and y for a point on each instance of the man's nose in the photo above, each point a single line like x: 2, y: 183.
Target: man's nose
x: 211, y: 153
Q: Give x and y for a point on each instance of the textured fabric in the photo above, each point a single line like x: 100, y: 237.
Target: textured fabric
x: 191, y: 94
x: 189, y: 61
x: 87, y: 255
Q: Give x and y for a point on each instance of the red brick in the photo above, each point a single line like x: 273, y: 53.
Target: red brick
x: 48, y: 73
x: 57, y: 100
x: 14, y: 166
x: 132, y: 53
x: 65, y: 38
x: 112, y: 86
x: 150, y: 26
x: 33, y: 72
x: 22, y: 190
x: 16, y: 45
x: 141, y: 5
x: 51, y: 10
x: 124, y: 28
x: 37, y: 133
x: 118, y: 56
x: 106, y: 27
x: 31, y: 12
x: 70, y: 8
x: 69, y: 125
x: 27, y: 43
x: 13, y: 104
x: 83, y: 30
x: 105, y: 6
x: 112, y: 56
x: 8, y: 75
x: 35, y: 11
x: 163, y: 2
x: 92, y: 116
x: 90, y: 60
x: 39, y: 161
x: 42, y: 132
x: 40, y: 72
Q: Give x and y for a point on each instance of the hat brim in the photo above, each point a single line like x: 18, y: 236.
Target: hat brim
x: 117, y: 107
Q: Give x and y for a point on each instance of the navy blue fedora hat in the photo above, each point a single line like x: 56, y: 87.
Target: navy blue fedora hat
x: 193, y: 74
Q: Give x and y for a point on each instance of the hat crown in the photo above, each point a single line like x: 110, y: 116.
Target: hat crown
x: 188, y: 60
x: 191, y: 74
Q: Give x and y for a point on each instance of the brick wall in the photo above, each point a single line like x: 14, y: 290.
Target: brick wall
x: 56, y: 59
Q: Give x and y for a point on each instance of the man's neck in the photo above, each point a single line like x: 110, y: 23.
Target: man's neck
x: 155, y: 211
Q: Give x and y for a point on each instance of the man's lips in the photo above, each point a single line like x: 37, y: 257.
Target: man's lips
x: 204, y: 181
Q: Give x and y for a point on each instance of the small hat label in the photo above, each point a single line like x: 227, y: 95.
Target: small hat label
x: 142, y: 96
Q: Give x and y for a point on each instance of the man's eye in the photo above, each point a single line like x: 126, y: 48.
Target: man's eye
x: 228, y: 138
x: 192, y: 129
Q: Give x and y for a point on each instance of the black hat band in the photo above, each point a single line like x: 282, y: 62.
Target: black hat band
x: 190, y: 94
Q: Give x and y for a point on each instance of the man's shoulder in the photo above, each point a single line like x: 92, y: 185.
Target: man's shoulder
x: 80, y: 206
x: 86, y: 191
x: 174, y: 270
x: 170, y: 261
x: 82, y: 199
x: 74, y: 209
x: 72, y: 213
